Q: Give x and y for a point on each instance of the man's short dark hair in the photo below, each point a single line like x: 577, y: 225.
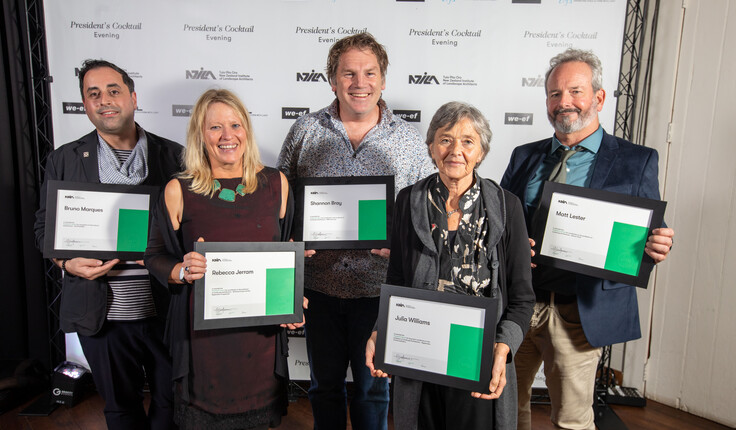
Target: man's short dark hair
x: 96, y: 64
x: 357, y: 41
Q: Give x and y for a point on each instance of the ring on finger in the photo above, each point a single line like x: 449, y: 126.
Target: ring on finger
x: 186, y: 269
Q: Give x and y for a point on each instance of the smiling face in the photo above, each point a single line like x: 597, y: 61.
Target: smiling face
x: 225, y: 138
x: 572, y: 104
x: 109, y: 104
x: 358, y: 84
x: 456, y: 151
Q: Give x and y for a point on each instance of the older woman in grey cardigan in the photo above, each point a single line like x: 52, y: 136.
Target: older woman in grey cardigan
x: 459, y: 233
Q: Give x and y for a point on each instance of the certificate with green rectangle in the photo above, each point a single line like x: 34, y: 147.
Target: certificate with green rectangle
x: 101, y: 221
x: 372, y: 220
x: 595, y: 232
x: 279, y: 291
x: 464, y: 352
x: 625, y: 248
x: 437, y: 337
x: 249, y: 284
x: 351, y: 212
x: 132, y: 230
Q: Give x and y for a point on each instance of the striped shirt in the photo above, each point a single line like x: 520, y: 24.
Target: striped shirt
x: 129, y: 297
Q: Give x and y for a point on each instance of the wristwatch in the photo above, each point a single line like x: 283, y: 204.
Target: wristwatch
x: 181, y: 274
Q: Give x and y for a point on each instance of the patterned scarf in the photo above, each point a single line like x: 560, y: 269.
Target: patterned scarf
x: 132, y: 172
x: 460, y: 271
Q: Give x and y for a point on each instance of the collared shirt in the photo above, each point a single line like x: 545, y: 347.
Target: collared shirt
x: 318, y: 146
x: 579, y: 173
x: 579, y: 167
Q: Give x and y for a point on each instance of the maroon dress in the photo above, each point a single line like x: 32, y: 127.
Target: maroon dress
x: 232, y: 379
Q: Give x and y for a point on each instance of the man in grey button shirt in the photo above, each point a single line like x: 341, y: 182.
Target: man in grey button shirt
x: 356, y: 135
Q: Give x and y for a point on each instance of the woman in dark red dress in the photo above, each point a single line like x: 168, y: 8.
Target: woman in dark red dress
x: 226, y: 378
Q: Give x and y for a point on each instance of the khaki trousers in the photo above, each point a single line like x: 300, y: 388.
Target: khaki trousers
x: 556, y: 338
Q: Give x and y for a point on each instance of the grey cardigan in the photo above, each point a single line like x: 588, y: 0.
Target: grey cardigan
x: 414, y: 262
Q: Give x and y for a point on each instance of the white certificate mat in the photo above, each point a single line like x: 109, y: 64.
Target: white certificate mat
x: 344, y: 212
x: 97, y: 220
x: 248, y: 284
x: 436, y: 337
x: 596, y: 232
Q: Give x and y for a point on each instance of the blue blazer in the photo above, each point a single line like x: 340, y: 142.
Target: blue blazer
x: 608, y: 310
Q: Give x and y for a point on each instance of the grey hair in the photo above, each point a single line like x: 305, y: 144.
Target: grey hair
x: 587, y: 57
x: 450, y: 114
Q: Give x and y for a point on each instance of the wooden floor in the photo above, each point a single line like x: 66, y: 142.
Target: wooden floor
x: 87, y: 415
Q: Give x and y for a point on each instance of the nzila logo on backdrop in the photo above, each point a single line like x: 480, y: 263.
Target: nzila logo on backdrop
x: 310, y: 77
x: 533, y: 82
x: 200, y: 74
x: 424, y: 79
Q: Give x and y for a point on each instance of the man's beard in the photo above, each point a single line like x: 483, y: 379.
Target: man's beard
x: 567, y: 126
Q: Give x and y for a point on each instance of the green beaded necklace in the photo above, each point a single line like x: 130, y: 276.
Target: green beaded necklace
x: 227, y: 194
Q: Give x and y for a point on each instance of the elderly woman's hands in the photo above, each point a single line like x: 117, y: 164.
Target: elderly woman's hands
x: 498, y: 373
x: 370, y: 353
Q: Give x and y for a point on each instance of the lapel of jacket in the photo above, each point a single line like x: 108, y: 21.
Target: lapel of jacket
x: 535, y: 159
x: 419, y: 217
x: 531, y: 164
x: 87, y: 153
x: 604, y: 161
x: 155, y: 172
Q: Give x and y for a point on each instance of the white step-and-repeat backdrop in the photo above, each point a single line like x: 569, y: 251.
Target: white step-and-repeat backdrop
x: 272, y: 53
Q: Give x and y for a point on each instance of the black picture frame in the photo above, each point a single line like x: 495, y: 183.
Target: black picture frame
x: 54, y: 187
x: 296, y: 316
x: 390, y: 294
x: 657, y: 208
x: 303, y: 184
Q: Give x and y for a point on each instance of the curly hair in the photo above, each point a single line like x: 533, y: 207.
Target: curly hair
x: 357, y: 41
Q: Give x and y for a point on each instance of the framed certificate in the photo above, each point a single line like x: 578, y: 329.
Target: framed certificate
x: 101, y: 221
x: 597, y: 233
x: 249, y: 284
x: 437, y: 337
x: 344, y: 212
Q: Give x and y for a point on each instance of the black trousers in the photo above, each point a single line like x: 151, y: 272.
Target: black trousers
x: 446, y: 408
x: 122, y: 356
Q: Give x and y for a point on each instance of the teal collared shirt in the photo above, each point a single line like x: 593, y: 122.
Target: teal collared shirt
x: 579, y: 167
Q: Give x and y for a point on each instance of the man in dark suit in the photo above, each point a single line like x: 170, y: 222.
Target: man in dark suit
x: 114, y: 306
x: 576, y: 315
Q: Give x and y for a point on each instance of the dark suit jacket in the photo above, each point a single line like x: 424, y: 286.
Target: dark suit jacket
x: 83, y: 307
x: 608, y: 310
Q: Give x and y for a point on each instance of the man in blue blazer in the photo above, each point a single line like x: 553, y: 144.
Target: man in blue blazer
x: 576, y: 315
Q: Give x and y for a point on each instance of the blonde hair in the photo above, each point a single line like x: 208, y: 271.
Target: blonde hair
x: 196, y: 161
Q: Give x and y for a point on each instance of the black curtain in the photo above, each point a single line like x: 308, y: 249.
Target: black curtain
x: 24, y: 306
